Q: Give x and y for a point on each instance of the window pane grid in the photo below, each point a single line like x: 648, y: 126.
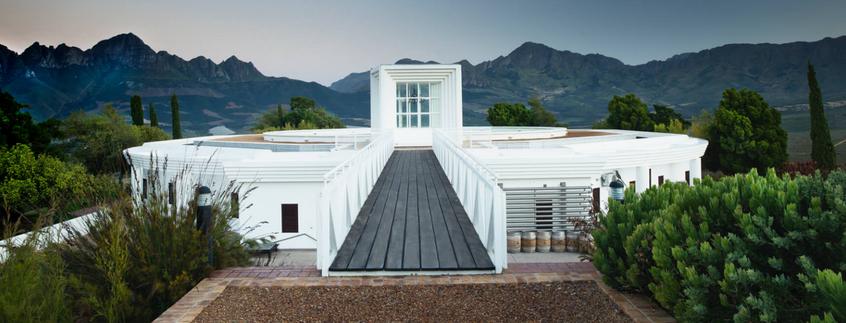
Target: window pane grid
x: 417, y: 105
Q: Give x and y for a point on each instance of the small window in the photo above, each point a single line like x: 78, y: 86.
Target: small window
x: 290, y: 216
x: 660, y: 180
x: 144, y: 189
x: 632, y: 185
x: 687, y: 177
x: 650, y: 177
x: 171, y: 193
x: 235, y: 205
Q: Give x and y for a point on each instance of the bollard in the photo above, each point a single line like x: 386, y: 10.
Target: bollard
x: 204, y: 217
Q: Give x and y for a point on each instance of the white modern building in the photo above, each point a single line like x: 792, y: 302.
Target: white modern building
x: 417, y: 192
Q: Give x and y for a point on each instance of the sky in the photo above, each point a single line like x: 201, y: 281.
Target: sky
x: 323, y: 41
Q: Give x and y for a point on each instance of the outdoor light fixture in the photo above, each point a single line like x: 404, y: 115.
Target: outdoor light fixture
x: 204, y: 215
x: 617, y: 187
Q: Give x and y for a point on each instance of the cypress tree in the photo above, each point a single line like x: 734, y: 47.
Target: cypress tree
x: 174, y: 111
x: 822, y: 151
x: 154, y: 119
x: 136, y: 110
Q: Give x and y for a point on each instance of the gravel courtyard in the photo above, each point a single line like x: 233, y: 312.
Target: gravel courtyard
x: 560, y: 301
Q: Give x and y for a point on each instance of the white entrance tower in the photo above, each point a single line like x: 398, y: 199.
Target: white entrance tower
x: 410, y: 100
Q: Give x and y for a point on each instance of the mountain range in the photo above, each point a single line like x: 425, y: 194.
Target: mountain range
x: 56, y: 81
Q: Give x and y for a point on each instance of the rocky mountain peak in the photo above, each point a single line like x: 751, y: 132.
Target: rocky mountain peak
x: 126, y: 48
x: 238, y: 70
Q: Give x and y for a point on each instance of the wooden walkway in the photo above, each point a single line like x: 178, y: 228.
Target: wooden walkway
x: 412, y: 221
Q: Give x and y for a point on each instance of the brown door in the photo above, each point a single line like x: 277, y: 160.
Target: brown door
x: 290, y: 218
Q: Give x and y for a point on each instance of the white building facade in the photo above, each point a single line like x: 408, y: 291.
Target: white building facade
x: 308, y: 185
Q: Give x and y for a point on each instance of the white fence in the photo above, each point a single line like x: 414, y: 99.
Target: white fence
x: 345, y: 188
x: 477, y: 188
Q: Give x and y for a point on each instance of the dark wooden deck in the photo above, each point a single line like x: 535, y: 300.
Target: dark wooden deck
x: 412, y: 221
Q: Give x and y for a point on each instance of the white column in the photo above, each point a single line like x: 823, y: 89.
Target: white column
x: 375, y: 117
x: 642, y: 181
x: 459, y: 99
x: 695, y: 169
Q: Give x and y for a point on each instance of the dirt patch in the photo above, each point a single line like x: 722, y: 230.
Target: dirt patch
x: 578, y: 301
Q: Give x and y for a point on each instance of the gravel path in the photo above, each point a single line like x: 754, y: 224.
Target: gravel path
x: 579, y: 301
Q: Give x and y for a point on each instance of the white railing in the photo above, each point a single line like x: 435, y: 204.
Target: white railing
x: 477, y: 188
x: 345, y: 188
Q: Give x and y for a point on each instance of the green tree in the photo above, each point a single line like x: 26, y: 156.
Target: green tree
x: 174, y: 112
x: 746, y: 133
x: 516, y: 114
x: 271, y: 119
x: 664, y: 115
x: 29, y: 182
x: 17, y: 126
x: 304, y: 114
x: 506, y: 114
x: 629, y: 113
x: 154, y: 119
x: 540, y: 116
x: 306, y: 109
x: 136, y: 110
x: 673, y: 126
x: 97, y: 141
x: 822, y: 150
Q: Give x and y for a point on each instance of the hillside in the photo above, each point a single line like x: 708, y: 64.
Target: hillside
x: 578, y: 87
x: 55, y: 81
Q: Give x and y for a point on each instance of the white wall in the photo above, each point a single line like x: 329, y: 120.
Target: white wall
x: 267, y: 200
x: 383, y: 82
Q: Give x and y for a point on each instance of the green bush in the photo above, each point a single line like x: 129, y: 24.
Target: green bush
x: 304, y: 114
x: 33, y: 186
x: 33, y: 284
x: 516, y: 114
x: 128, y: 263
x: 137, y: 258
x: 98, y: 140
x: 832, y: 290
x: 740, y: 248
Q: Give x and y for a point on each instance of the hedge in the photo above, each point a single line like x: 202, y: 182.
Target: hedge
x: 743, y: 248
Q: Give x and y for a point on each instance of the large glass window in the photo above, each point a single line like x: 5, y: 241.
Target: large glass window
x: 417, y: 105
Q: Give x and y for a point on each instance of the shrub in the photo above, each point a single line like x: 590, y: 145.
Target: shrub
x: 833, y: 292
x: 739, y: 248
x: 304, y: 114
x: 33, y: 285
x: 137, y: 258
x: 29, y: 182
x: 98, y: 140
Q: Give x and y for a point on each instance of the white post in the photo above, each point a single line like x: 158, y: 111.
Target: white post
x: 695, y: 169
x: 642, y: 179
